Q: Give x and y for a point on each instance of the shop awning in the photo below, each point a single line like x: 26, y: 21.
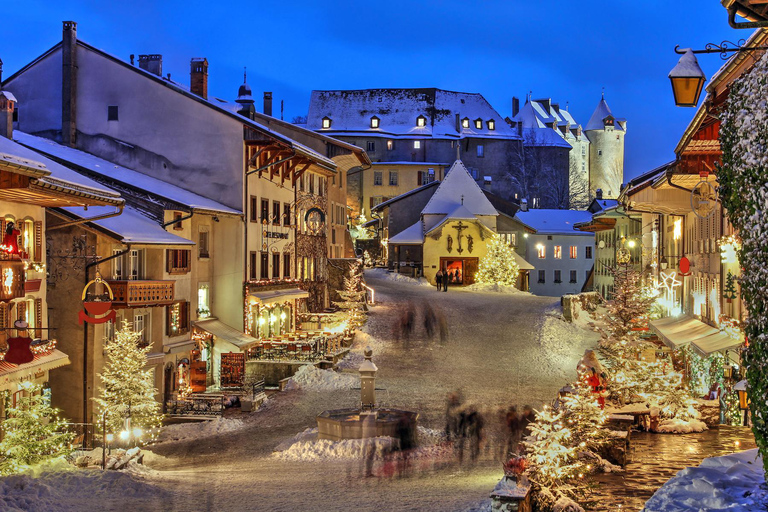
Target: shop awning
x: 521, y: 262
x: 715, y: 343
x: 10, y: 373
x: 679, y: 331
x: 178, y: 347
x: 223, y: 332
x: 273, y: 296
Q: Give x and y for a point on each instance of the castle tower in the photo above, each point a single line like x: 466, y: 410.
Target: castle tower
x: 245, y: 100
x: 606, y: 151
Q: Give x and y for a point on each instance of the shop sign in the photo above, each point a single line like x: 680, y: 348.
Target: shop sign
x: 12, y: 278
x: 98, y: 309
x: 273, y: 234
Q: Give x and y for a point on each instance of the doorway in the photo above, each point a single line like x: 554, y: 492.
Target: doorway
x: 461, y: 271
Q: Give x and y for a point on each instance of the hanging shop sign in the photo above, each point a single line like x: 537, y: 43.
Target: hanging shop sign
x: 703, y: 199
x: 685, y: 266
x: 12, y: 278
x: 97, y: 309
x: 19, y: 351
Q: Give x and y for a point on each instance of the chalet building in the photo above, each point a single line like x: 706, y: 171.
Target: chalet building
x: 412, y: 136
x: 596, y: 158
x: 29, y: 184
x: 132, y: 115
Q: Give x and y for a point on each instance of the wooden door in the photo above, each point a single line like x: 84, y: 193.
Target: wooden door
x: 470, y: 269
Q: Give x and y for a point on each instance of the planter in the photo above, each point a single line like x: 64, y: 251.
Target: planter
x: 511, y: 495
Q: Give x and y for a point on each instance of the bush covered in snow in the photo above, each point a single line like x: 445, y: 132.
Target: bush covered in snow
x: 310, y: 378
x: 198, y: 430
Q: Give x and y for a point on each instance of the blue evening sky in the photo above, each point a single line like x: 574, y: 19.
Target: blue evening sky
x: 564, y: 50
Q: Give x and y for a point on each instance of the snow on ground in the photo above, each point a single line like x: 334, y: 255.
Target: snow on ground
x: 677, y: 426
x: 382, y: 273
x: 183, y: 431
x: 560, y: 340
x: 306, y: 447
x: 311, y: 378
x: 60, y: 486
x: 733, y: 482
x: 497, y: 288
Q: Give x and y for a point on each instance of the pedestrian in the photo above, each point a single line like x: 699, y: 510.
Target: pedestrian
x: 406, y: 442
x: 443, y: 327
x: 446, y: 278
x: 452, y: 404
x: 473, y: 431
x: 429, y: 321
x: 513, y: 430
x: 439, y: 279
x: 525, y: 421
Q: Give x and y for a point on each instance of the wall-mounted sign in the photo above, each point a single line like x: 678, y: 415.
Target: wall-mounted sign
x: 12, y: 276
x: 97, y: 308
x: 315, y: 219
x: 272, y: 234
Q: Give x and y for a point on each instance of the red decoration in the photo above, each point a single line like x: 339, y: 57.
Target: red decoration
x: 685, y: 266
x: 19, y: 351
x: 101, y: 310
x: 11, y: 239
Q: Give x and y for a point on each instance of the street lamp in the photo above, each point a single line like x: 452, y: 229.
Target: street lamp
x: 741, y: 389
x: 687, y: 80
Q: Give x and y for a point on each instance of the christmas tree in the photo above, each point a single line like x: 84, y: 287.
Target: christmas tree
x: 352, y: 301
x: 585, y: 418
x: 631, y: 301
x: 729, y: 292
x: 32, y: 432
x: 127, y: 390
x: 499, y: 265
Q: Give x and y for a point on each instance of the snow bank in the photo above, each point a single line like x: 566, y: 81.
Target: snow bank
x: 677, y: 426
x: 564, y: 504
x: 310, y: 378
x: 733, y: 482
x: 497, y: 288
x: 382, y: 273
x: 60, y: 490
x: 198, y: 430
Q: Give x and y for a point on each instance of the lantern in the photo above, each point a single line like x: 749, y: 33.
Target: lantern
x: 743, y: 399
x: 727, y: 372
x: 687, y: 80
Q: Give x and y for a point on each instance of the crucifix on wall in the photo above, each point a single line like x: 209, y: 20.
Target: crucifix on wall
x: 459, y: 228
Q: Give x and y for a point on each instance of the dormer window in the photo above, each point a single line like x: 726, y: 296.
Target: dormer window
x: 479, y: 124
x: 465, y: 122
x: 421, y: 121
x: 491, y: 124
x: 374, y: 122
x: 326, y: 122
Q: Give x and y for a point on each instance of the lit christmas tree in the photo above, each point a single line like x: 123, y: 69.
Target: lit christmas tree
x: 585, y: 418
x: 729, y: 292
x: 127, y: 390
x: 352, y: 303
x: 631, y: 301
x: 498, y: 266
x: 32, y: 432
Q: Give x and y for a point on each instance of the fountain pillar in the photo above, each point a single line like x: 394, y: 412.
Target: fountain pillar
x: 368, y: 381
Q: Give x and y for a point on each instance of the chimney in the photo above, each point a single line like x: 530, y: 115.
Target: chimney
x: 523, y: 205
x: 556, y: 107
x: 1, y: 71
x: 152, y: 63
x: 599, y: 194
x: 268, y: 103
x: 545, y: 103
x: 69, y: 84
x: 7, y: 103
x: 132, y: 57
x: 198, y: 77
x: 515, y: 106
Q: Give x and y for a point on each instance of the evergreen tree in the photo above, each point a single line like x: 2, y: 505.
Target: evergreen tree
x: 127, y: 388
x: 32, y: 432
x: 352, y: 303
x: 631, y: 301
x: 729, y: 292
x: 585, y: 418
x: 498, y: 266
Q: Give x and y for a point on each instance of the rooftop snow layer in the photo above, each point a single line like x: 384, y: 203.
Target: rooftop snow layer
x: 399, y: 109
x: 131, y: 226
x: 550, y: 222
x: 411, y: 235
x: 458, y: 188
x: 122, y: 174
x: 601, y: 112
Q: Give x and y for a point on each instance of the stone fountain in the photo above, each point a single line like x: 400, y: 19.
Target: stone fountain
x: 368, y: 420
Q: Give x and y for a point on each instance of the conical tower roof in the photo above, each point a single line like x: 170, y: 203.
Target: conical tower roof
x: 601, y: 112
x: 458, y: 188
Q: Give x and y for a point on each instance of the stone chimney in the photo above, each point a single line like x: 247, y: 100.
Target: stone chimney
x: 7, y: 103
x: 69, y: 84
x: 198, y: 77
x: 523, y: 205
x: 368, y: 381
x: 599, y: 193
x: 152, y: 63
x: 267, y: 103
x: 515, y: 106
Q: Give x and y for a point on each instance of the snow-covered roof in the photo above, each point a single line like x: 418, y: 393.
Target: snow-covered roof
x: 457, y: 188
x: 540, y: 137
x: 60, y: 175
x: 550, y: 222
x: 131, y: 227
x: 122, y: 174
x: 544, y: 114
x: 8, y: 95
x: 395, y: 199
x: 601, y: 112
x: 399, y: 109
x: 411, y: 235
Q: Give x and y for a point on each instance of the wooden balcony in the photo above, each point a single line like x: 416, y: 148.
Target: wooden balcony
x: 138, y: 294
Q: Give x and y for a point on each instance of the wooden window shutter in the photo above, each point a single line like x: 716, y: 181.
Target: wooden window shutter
x: 168, y: 319
x: 168, y: 260
x: 371, y: 201
x: 185, y: 316
x: 419, y: 179
x: 2, y: 227
x: 5, y: 316
x: 38, y: 241
x: 21, y: 310
x: 38, y: 318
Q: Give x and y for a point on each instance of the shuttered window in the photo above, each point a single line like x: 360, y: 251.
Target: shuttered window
x: 177, y: 261
x: 177, y: 318
x: 38, y: 251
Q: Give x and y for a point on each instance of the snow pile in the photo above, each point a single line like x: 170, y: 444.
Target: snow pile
x: 382, y: 273
x: 678, y: 426
x: 498, y: 288
x: 563, y: 342
x: 63, y: 488
x: 310, y: 378
x: 199, y: 430
x: 733, y: 482
x: 564, y: 504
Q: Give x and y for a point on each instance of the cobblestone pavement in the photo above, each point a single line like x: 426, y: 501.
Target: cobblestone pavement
x: 658, y: 457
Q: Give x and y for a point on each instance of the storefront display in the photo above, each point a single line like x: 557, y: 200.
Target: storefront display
x: 232, y: 370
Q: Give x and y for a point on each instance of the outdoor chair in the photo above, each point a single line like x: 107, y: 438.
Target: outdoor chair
x: 266, y: 350
x: 291, y: 350
x: 306, y: 352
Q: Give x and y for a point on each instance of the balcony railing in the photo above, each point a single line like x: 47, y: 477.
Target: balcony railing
x: 136, y: 294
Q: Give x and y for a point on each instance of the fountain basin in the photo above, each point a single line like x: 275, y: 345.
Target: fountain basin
x: 338, y: 424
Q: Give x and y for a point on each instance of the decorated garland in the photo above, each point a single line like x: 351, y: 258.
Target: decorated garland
x: 743, y: 178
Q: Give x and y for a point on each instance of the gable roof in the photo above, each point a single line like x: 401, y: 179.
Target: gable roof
x: 601, y: 112
x: 457, y: 188
x: 413, y: 234
x: 395, y: 199
x: 350, y: 112
x: 129, y: 177
x: 544, y: 137
x: 552, y: 222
